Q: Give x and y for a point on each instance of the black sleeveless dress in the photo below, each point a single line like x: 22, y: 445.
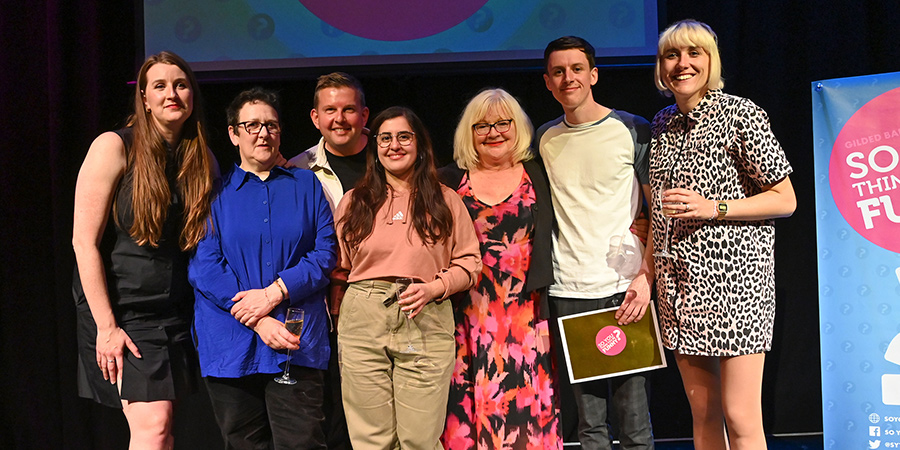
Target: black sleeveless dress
x: 151, y: 300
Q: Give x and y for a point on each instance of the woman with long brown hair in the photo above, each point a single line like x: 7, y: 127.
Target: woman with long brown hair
x: 141, y: 203
x: 397, y: 351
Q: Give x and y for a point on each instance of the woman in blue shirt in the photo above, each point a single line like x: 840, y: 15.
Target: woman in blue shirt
x: 271, y: 246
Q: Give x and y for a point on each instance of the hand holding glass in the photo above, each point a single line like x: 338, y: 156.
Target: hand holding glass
x: 402, y: 285
x: 667, y: 211
x: 293, y: 321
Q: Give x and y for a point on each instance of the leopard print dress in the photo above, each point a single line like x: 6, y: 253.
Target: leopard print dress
x: 717, y: 295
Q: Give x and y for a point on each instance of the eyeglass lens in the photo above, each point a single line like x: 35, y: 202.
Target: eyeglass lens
x: 256, y: 127
x: 404, y: 138
x: 502, y: 126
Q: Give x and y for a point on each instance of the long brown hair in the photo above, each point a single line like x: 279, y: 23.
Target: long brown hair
x: 431, y: 217
x: 150, y: 195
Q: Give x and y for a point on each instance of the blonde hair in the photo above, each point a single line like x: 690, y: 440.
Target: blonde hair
x: 690, y: 33
x: 464, y: 152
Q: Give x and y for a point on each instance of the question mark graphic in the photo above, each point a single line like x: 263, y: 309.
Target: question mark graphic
x: 882, y: 270
x: 618, y: 334
x: 846, y: 309
x: 828, y: 328
x: 865, y: 367
x: 864, y: 328
x: 845, y: 271
x: 187, y: 29
x: 829, y: 365
x: 842, y: 234
x: 884, y: 309
x: 863, y: 290
x: 861, y: 252
x: 848, y: 346
x: 826, y: 291
x: 260, y: 27
x: 552, y: 16
x: 481, y: 21
x: 825, y: 252
x: 867, y: 407
x: 620, y: 15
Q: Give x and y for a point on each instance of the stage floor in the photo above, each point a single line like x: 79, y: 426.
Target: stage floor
x: 792, y: 442
x: 806, y: 442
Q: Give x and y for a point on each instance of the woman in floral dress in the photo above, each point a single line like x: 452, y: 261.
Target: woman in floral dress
x: 503, y: 392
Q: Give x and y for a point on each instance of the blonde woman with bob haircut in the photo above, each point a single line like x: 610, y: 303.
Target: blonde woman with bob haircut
x: 723, y: 176
x: 690, y: 33
x: 141, y: 203
x: 507, y: 195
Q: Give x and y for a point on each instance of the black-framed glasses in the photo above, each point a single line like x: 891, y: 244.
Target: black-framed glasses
x: 254, y: 127
x: 502, y: 126
x: 404, y: 138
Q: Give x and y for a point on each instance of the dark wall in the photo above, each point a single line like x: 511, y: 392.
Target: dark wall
x: 64, y: 68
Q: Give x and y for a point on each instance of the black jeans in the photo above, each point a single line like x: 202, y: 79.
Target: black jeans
x: 628, y: 394
x: 255, y: 412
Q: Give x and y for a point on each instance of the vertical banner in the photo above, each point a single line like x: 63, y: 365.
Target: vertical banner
x: 856, y: 131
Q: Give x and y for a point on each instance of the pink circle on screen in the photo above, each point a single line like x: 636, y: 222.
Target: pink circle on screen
x: 864, y: 171
x: 610, y: 340
x: 397, y: 20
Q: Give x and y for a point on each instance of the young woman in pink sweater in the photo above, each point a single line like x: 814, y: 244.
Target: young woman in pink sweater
x: 397, y: 351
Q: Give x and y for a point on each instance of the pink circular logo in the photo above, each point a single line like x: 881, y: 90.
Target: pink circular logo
x: 611, y: 340
x: 399, y: 20
x: 864, y: 174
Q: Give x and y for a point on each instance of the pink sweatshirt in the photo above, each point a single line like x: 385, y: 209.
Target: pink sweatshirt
x: 394, y: 249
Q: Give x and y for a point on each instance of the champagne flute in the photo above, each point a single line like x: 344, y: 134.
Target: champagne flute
x: 293, y: 321
x: 402, y: 285
x: 667, y: 211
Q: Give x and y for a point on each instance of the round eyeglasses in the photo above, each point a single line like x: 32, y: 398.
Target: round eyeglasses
x: 404, y: 138
x: 254, y: 127
x: 483, y: 128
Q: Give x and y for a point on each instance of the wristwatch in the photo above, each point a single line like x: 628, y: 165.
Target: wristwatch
x: 721, y: 209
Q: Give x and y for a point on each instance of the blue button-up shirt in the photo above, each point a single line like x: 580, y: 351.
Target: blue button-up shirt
x: 263, y: 230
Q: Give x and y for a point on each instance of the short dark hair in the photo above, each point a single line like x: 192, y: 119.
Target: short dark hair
x: 338, y: 80
x: 568, y: 43
x: 252, y: 95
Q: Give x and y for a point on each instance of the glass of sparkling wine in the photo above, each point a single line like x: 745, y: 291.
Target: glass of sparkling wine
x: 293, y: 321
x: 402, y: 285
x: 667, y: 211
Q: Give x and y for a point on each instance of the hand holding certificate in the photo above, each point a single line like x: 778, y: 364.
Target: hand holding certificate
x: 597, y: 347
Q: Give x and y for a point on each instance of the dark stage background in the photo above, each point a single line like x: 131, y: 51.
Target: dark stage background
x: 64, y: 68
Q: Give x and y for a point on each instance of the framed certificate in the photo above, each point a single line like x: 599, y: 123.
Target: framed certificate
x: 597, y: 347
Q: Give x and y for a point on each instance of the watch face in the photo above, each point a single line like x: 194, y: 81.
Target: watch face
x: 723, y: 207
